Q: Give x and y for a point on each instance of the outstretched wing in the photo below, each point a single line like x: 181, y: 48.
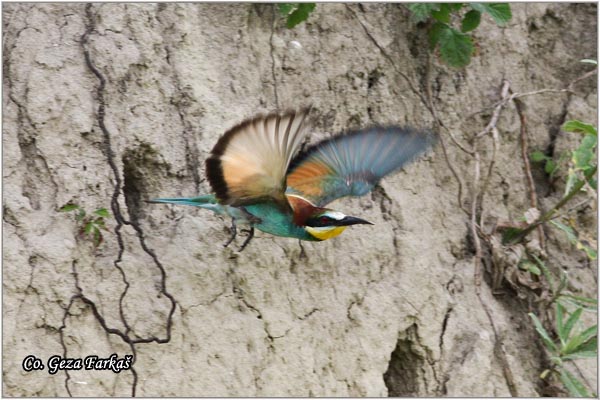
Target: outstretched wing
x: 249, y: 162
x: 351, y: 164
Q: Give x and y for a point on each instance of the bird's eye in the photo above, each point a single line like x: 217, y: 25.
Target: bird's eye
x: 324, y: 219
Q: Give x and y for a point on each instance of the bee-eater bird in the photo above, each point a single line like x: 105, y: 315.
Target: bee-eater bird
x: 259, y: 179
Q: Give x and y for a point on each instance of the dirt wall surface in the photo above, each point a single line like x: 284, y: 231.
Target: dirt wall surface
x: 109, y: 105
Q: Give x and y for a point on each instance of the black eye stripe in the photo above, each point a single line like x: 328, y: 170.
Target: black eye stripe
x: 320, y: 221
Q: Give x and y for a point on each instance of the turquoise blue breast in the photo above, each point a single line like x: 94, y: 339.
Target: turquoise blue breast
x: 276, y: 221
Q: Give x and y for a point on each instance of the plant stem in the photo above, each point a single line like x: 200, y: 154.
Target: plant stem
x: 548, y: 216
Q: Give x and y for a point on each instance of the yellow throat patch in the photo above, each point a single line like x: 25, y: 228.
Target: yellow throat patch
x: 325, y: 232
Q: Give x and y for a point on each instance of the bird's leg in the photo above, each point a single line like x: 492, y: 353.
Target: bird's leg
x: 233, y: 232
x: 248, y: 239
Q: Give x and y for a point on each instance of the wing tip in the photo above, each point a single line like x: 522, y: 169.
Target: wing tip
x: 214, y: 174
x: 427, y: 137
x: 223, y: 142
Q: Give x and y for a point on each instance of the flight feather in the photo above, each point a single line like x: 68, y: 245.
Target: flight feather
x: 249, y: 162
x: 351, y: 164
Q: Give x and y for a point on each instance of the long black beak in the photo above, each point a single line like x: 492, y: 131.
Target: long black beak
x: 353, y: 221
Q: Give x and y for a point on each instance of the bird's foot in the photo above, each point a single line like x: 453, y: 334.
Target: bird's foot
x: 248, y: 239
x: 233, y: 230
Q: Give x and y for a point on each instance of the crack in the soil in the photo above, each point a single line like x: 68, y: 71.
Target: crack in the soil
x: 444, y: 327
x: 239, y: 295
x: 113, y: 331
x: 272, y: 51
x: 121, y: 221
x: 62, y: 343
x: 308, y: 314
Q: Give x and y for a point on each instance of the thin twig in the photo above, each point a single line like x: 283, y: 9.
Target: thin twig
x: 478, y: 194
x: 456, y: 175
x: 458, y: 144
x: 488, y: 178
x: 535, y: 92
x: 496, y: 114
x: 473, y: 224
x: 575, y: 207
x: 582, y: 77
x: 495, y: 140
x: 502, y: 103
x: 567, y: 89
x: 550, y: 214
x: 533, y: 202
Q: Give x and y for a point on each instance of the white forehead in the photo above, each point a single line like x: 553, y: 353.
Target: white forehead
x: 335, y: 215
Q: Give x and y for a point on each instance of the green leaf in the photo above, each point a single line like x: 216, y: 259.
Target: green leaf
x: 593, y: 183
x: 572, y: 181
x: 560, y: 312
x: 584, y: 302
x: 588, y: 347
x: 470, y: 21
x: 455, y: 48
x: 300, y: 14
x: 88, y: 227
x: 68, y: 207
x: 455, y: 6
x: 590, y: 252
x: 546, y: 272
x: 538, y: 156
x: 564, y: 278
x: 573, y: 385
x: 589, y: 333
x: 534, y: 269
x: 578, y: 126
x: 435, y: 32
x: 97, y: 236
x: 286, y: 8
x: 589, y: 61
x: 585, y: 153
x: 550, y: 167
x: 543, y: 333
x: 80, y: 215
x: 581, y: 354
x: 574, y: 240
x: 422, y: 11
x: 567, y: 230
x: 509, y: 234
x: 576, y: 342
x: 443, y: 14
x: 500, y: 12
x: 573, y: 318
x: 530, y: 267
x: 102, y: 212
x: 589, y: 141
